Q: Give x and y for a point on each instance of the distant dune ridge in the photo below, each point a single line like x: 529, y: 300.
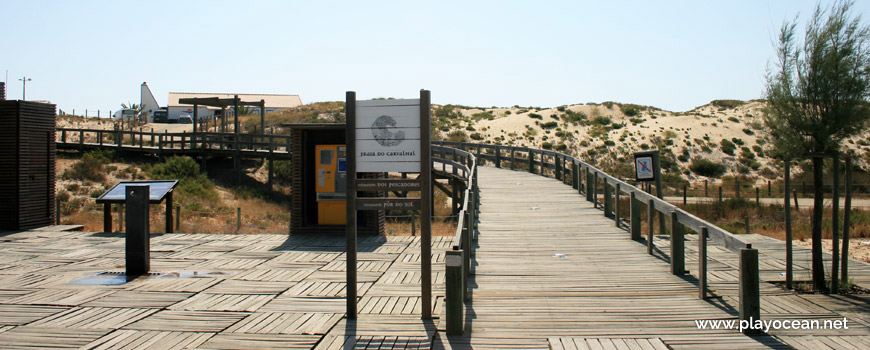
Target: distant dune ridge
x: 608, y: 131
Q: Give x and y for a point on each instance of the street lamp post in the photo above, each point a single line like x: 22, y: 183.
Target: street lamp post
x: 24, y: 81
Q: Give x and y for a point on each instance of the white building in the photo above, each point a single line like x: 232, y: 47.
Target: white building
x: 274, y: 102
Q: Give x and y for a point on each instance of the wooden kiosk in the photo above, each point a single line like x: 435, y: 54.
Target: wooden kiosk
x: 306, y: 211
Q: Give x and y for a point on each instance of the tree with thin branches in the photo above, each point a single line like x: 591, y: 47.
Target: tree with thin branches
x: 817, y: 96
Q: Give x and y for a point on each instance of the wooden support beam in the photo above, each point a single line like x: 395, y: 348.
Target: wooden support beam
x: 702, y: 263
x: 678, y: 246
x: 750, y: 298
x: 453, y: 292
x: 634, y: 207
x: 137, y: 246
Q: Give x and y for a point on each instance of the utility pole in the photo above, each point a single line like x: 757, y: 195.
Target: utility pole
x: 24, y: 80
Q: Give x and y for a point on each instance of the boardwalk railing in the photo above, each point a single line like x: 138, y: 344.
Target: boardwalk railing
x: 142, y: 139
x: 587, y: 180
x: 458, y: 260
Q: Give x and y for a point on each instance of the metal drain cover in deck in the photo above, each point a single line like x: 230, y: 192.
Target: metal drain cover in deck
x: 113, y: 278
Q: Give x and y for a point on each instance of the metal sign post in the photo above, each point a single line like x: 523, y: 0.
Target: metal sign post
x: 389, y: 136
x: 647, y: 168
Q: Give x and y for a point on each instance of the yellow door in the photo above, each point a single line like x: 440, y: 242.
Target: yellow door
x: 331, y: 205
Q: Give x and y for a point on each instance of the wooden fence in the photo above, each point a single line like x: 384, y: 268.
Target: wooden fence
x: 458, y: 259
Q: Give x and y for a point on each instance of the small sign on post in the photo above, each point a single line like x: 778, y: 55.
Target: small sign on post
x: 645, y: 166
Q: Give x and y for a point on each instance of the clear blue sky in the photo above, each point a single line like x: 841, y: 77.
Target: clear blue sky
x: 671, y: 54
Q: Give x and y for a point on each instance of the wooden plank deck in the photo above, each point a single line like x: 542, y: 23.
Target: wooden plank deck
x: 549, y: 267
x: 550, y: 273
x: 251, y: 291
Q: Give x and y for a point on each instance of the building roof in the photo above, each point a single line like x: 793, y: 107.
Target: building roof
x: 272, y: 100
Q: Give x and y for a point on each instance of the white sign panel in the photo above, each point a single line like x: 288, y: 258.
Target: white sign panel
x: 388, y: 136
x: 643, y: 167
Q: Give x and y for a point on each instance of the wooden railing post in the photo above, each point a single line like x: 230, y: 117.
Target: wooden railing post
x: 594, y: 189
x: 750, y: 300
x: 453, y: 292
x: 557, y: 168
x: 678, y: 246
x: 531, y: 161
x: 650, y: 216
x: 238, y: 219
x: 634, y: 222
x: 616, y: 205
x: 608, y: 200
x: 589, y: 185
x: 564, y: 170
x: 497, y: 157
x: 575, y: 181
x: 513, y: 160
x: 702, y: 263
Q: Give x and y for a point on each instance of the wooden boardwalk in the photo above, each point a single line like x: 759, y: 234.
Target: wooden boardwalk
x: 552, y: 272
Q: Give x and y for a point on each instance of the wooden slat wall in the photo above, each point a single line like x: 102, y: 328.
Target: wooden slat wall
x: 27, y: 198
x: 295, y: 180
x: 8, y: 161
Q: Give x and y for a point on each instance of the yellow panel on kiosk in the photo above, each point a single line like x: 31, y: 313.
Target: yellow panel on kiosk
x: 330, y: 184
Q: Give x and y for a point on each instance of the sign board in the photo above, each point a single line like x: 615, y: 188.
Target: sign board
x: 645, y: 166
x: 388, y: 204
x: 387, y: 136
x: 387, y: 185
x: 158, y: 189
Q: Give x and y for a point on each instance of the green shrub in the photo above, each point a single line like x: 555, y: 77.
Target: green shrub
x: 573, y: 117
x: 483, y: 115
x: 734, y: 119
x: 727, y: 103
x: 737, y: 141
x: 90, y: 167
x: 630, y: 110
x: 457, y: 136
x: 635, y: 120
x: 601, y: 120
x: 616, y: 126
x: 560, y: 108
x: 281, y: 170
x: 609, y: 143
x: 476, y: 136
x: 195, y: 191
x: 547, y: 145
x: 63, y: 196
x: 704, y: 167
x: 644, y: 146
x: 748, y: 132
x: 469, y: 128
x: 727, y: 147
x: 561, y: 147
x: 549, y: 125
x: 536, y: 116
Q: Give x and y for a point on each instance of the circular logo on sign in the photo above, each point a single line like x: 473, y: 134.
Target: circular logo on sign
x: 381, y: 131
